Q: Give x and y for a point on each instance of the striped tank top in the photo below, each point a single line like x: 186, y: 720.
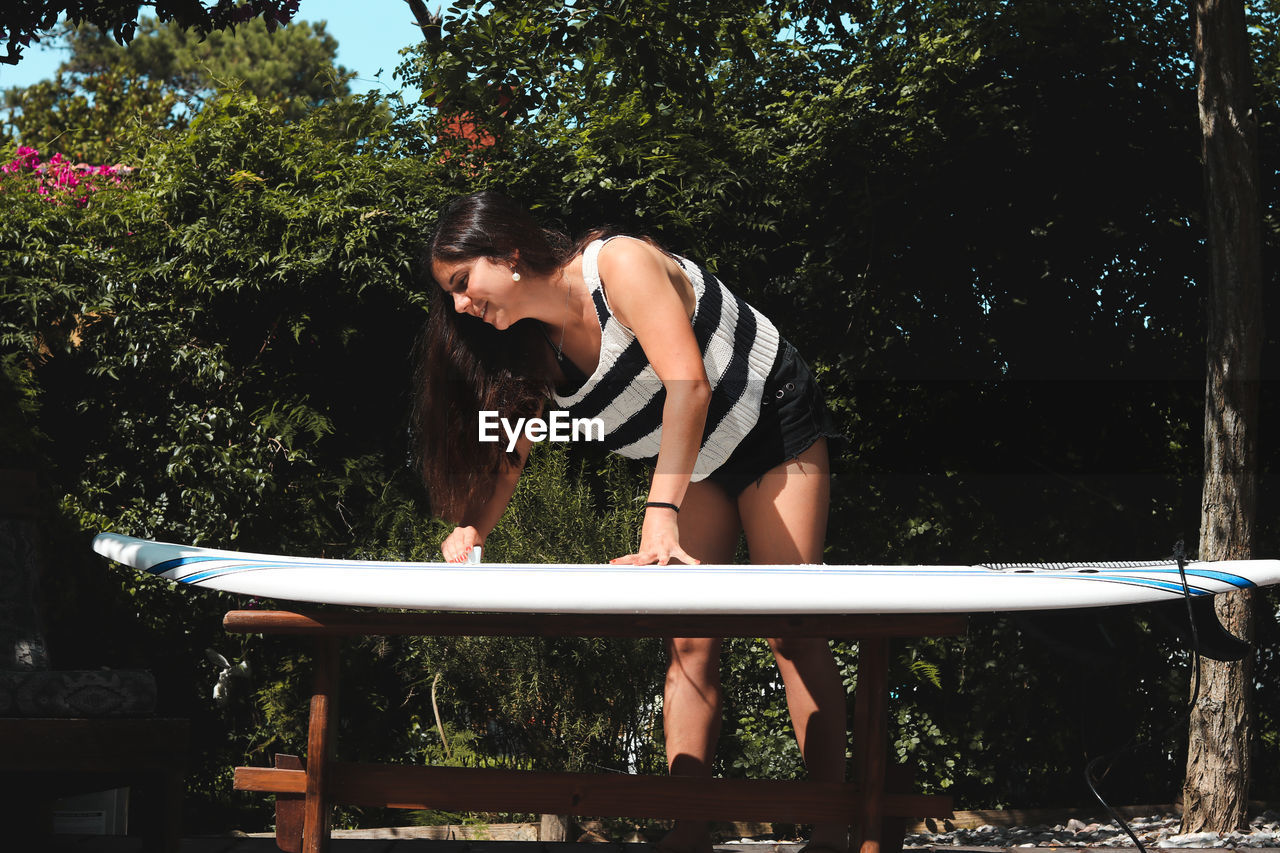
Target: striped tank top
x: 738, y: 346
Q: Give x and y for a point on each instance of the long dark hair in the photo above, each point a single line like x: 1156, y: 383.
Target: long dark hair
x: 465, y: 366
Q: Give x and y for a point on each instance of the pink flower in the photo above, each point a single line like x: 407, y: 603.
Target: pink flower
x: 58, y: 178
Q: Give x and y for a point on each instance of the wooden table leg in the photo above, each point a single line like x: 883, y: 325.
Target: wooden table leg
x: 870, y: 742
x: 290, y: 809
x: 320, y: 743
x: 898, y: 779
x: 163, y: 794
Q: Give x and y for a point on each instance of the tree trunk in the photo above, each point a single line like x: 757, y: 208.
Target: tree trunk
x: 1215, y: 792
x: 556, y: 827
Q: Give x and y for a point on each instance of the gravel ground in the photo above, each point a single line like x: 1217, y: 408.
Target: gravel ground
x: 1161, y: 831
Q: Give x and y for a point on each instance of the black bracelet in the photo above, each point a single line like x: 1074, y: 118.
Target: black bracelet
x: 661, y: 505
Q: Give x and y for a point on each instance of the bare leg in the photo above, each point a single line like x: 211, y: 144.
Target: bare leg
x: 785, y: 519
x: 691, y: 698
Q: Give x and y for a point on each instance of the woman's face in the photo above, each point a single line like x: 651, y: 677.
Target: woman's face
x: 480, y: 287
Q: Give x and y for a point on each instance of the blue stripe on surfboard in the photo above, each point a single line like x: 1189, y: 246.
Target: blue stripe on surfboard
x: 1099, y: 577
x: 257, y: 566
x: 1109, y: 573
x: 241, y: 564
x: 1235, y: 580
x: 1149, y: 583
x: 816, y: 568
x: 179, y: 562
x: 1141, y: 583
x: 1176, y: 585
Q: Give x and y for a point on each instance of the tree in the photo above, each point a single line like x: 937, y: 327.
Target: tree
x: 293, y: 64
x: 103, y: 90
x: 1219, y: 754
x: 24, y: 21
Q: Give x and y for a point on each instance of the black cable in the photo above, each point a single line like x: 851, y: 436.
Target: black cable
x: 1090, y: 779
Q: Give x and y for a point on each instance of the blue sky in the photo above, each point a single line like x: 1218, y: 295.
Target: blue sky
x: 370, y: 34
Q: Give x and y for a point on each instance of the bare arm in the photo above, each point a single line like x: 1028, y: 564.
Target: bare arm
x: 479, y: 520
x: 645, y: 299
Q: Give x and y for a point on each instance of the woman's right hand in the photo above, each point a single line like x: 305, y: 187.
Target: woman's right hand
x: 659, y: 542
x: 457, y: 546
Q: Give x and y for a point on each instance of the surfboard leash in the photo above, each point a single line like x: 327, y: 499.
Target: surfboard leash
x: 1090, y: 778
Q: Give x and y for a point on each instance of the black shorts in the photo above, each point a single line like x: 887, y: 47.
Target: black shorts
x: 793, y: 415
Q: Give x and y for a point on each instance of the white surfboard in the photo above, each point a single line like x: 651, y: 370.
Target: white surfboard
x: 700, y: 589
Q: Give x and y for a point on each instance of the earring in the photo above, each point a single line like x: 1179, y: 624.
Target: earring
x: 515, y: 276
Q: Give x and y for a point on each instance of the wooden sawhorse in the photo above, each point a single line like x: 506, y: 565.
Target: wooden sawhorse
x: 305, y: 789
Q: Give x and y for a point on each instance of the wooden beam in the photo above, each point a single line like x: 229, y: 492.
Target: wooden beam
x: 290, y: 809
x: 870, y: 739
x: 486, y: 789
x: 347, y: 623
x: 149, y: 744
x: 320, y: 741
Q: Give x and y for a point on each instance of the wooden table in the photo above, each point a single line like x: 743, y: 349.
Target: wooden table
x: 305, y: 789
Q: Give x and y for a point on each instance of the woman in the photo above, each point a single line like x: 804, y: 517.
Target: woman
x: 680, y: 371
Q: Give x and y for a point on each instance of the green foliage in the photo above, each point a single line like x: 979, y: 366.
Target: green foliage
x: 90, y: 118
x: 210, y: 294
x: 224, y: 360
x: 107, y: 100
x: 225, y: 339
x: 757, y: 740
x: 19, y: 412
x: 562, y: 511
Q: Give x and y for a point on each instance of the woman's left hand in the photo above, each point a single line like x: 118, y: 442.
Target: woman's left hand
x: 659, y: 542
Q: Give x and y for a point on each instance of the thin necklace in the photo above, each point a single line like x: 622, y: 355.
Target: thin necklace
x: 568, y: 289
